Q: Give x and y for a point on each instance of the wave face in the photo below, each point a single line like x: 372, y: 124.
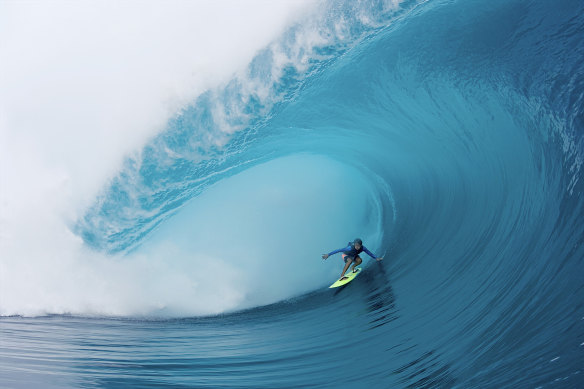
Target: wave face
x: 448, y: 135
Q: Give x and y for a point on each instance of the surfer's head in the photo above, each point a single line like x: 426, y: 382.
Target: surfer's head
x: 357, y: 243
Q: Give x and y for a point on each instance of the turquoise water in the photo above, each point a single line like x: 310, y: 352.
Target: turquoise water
x: 446, y: 134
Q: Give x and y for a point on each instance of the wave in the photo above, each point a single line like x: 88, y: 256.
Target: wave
x: 456, y: 152
x: 446, y: 134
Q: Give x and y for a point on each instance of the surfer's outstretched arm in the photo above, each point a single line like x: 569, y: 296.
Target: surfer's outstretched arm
x: 325, y: 256
x: 371, y: 254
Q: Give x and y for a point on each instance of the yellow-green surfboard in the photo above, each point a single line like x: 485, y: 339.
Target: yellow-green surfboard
x: 349, y: 276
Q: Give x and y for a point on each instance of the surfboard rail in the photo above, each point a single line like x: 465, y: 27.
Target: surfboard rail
x: 348, y: 277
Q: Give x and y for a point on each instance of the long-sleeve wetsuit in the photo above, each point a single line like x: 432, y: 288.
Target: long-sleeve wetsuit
x: 352, y: 252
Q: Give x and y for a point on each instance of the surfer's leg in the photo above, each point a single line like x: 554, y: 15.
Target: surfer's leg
x: 348, y: 261
x: 357, y: 262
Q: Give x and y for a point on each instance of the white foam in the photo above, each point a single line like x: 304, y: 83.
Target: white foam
x: 86, y: 83
x: 83, y: 85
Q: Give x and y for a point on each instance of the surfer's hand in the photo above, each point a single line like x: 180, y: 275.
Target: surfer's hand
x: 324, y: 256
x: 380, y: 258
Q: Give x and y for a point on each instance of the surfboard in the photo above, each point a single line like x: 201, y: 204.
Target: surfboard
x: 349, y: 276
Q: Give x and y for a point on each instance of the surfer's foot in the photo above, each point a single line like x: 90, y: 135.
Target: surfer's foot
x: 354, y: 270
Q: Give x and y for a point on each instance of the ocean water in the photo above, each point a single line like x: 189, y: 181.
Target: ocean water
x: 168, y: 232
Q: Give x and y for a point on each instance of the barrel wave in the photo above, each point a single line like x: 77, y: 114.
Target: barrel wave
x: 448, y: 135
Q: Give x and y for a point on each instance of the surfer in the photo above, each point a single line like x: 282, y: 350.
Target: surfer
x: 351, y: 254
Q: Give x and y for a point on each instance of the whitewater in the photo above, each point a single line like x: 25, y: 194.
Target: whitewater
x: 172, y: 172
